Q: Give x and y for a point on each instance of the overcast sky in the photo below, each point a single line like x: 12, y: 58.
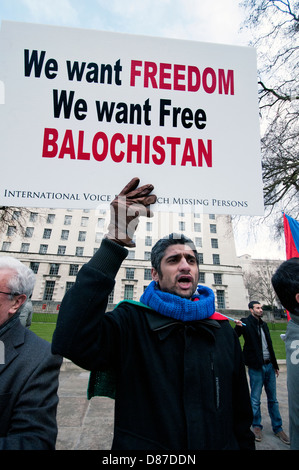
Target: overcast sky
x: 217, y: 21
x: 202, y: 20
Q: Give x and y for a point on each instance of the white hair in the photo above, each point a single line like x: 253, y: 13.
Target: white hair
x: 23, y: 280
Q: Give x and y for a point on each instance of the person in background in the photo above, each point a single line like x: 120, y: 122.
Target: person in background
x: 260, y: 358
x: 28, y: 370
x: 180, y: 380
x: 285, y: 282
x: 26, y: 311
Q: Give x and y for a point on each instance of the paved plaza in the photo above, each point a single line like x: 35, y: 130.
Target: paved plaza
x: 88, y: 424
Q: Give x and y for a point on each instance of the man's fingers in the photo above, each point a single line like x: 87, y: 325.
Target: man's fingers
x: 133, y: 184
x: 132, y: 191
x: 146, y: 200
x: 140, y: 192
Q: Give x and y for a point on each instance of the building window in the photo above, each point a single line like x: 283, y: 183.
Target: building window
x: 43, y: 249
x: 11, y: 230
x: 68, y: 285
x: 148, y: 241
x: 214, y: 242
x: 99, y: 237
x: 67, y: 220
x: 101, y: 223
x: 65, y: 234
x: 147, y: 255
x: 149, y: 226
x: 147, y: 274
x: 54, y: 268
x: 197, y: 227
x: 220, y: 298
x: 33, y: 216
x: 25, y: 247
x: 131, y: 254
x: 16, y: 215
x: 212, y: 216
x: 130, y: 273
x: 84, y: 221
x: 50, y: 218
x: 200, y: 257
x: 61, y: 249
x: 47, y: 233
x: 216, y: 259
x: 213, y: 228
x: 29, y: 232
x: 202, y: 278
x: 34, y: 266
x: 181, y: 226
x: 74, y: 268
x: 129, y: 291
x: 49, y: 289
x: 79, y: 250
x: 82, y: 237
x: 198, y: 242
x: 217, y: 278
x: 111, y: 297
x: 6, y: 246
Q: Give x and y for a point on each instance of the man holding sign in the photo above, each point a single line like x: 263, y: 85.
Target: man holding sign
x: 180, y: 381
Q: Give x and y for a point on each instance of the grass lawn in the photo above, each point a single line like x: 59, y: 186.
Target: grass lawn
x: 43, y: 330
x: 45, y: 326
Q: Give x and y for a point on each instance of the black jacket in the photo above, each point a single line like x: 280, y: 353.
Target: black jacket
x: 252, y: 350
x: 28, y: 391
x: 179, y: 385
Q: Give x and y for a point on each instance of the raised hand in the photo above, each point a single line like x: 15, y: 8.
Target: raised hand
x: 125, y: 210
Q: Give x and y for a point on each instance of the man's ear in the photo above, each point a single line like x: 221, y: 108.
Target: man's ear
x: 297, y: 298
x: 17, y: 302
x: 155, y: 275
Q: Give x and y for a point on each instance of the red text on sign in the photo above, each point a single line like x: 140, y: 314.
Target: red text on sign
x: 127, y: 148
x: 178, y: 77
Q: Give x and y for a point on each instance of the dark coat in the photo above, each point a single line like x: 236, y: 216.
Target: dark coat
x: 28, y: 391
x: 252, y: 350
x: 179, y: 385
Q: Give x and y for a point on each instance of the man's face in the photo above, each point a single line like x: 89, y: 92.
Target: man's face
x: 8, y: 306
x: 257, y: 311
x: 179, y: 271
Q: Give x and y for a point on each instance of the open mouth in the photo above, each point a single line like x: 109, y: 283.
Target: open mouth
x: 185, y: 282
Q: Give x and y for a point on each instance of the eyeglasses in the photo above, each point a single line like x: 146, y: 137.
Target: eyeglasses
x: 8, y: 293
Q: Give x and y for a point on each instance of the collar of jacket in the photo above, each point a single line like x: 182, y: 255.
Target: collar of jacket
x: 9, y: 323
x: 256, y: 321
x: 12, y: 339
x: 165, y: 325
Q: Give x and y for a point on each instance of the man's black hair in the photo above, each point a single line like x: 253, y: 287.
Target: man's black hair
x: 252, y: 303
x: 158, y: 250
x: 285, y: 282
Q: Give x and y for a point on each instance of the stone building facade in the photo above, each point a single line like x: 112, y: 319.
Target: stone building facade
x: 55, y: 243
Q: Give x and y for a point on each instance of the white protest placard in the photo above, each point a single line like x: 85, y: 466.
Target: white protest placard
x: 84, y: 111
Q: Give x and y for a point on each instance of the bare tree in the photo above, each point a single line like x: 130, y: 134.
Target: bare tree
x: 275, y: 24
x: 15, y: 216
x: 259, y: 285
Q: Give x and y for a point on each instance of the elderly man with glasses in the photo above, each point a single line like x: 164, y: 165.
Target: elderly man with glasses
x: 28, y: 370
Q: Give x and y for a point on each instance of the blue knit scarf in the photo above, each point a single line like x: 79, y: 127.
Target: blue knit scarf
x: 177, y: 307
